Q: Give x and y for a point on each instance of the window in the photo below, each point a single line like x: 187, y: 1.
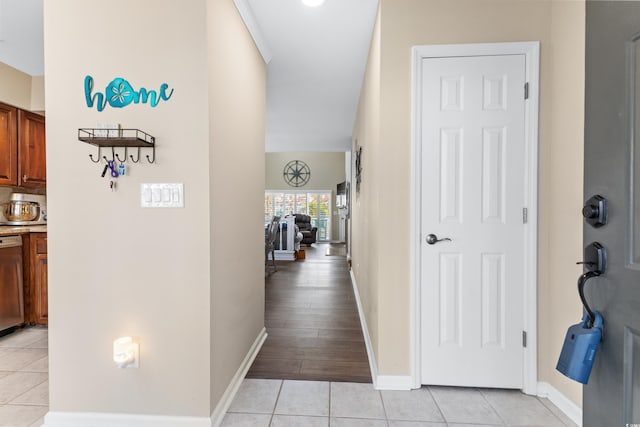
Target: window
x: 315, y: 204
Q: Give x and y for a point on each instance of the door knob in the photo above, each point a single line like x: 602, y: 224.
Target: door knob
x: 432, y: 239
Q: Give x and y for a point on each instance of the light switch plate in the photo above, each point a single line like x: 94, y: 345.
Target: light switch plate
x: 162, y: 195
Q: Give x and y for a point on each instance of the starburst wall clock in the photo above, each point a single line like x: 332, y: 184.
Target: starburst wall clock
x: 296, y: 173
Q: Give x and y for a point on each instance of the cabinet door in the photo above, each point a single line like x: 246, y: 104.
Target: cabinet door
x: 8, y: 146
x: 39, y: 279
x: 32, y: 163
x: 41, y: 289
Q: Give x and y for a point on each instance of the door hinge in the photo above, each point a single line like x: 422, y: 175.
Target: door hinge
x: 525, y: 215
x: 524, y: 339
x: 526, y: 90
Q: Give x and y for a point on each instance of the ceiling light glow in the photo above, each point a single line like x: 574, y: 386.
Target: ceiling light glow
x: 312, y: 3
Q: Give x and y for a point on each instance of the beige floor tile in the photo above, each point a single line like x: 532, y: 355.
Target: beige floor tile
x: 256, y: 396
x: 39, y: 395
x: 38, y: 423
x: 396, y: 423
x: 304, y: 398
x: 414, y: 405
x: 349, y: 400
x: 558, y: 413
x: 17, y: 383
x: 22, y: 338
x: 464, y: 405
x: 41, y: 343
x: 246, y: 420
x: 21, y: 415
x: 41, y: 365
x: 357, y: 422
x: 21, y: 357
x: 518, y: 409
x: 298, y: 421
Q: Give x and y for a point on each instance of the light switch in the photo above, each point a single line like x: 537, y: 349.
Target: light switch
x: 162, y: 195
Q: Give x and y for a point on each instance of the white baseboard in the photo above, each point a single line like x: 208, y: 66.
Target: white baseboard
x: 566, y: 405
x: 394, y: 382
x: 227, y: 397
x: 81, y: 419
x: 380, y: 382
x: 84, y: 419
x: 365, y: 331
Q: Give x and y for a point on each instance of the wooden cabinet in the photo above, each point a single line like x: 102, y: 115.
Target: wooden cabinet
x: 22, y: 143
x: 8, y: 145
x: 32, y: 164
x: 36, y: 294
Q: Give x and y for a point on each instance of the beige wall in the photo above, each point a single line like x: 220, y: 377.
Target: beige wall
x: 20, y: 89
x: 366, y: 215
x: 559, y: 26
x: 237, y: 97
x: 327, y: 171
x: 117, y: 269
x: 561, y: 192
x: 37, y: 93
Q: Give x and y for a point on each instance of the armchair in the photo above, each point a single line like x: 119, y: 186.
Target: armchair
x: 309, y: 232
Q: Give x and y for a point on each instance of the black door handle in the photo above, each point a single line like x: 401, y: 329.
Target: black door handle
x: 582, y: 280
x: 432, y: 239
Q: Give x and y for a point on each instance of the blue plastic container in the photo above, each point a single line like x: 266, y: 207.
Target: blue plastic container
x: 579, y: 349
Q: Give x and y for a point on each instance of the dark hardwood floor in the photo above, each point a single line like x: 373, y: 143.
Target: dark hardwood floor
x: 312, y: 322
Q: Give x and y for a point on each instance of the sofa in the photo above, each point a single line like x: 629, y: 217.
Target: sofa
x: 309, y: 232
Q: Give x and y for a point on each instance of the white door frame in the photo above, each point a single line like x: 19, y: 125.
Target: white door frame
x: 531, y: 50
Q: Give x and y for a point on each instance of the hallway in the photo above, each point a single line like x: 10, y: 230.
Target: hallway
x: 312, y: 321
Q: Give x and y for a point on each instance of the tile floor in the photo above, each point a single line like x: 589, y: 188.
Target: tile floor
x: 24, y: 399
x: 24, y: 378
x: 289, y: 403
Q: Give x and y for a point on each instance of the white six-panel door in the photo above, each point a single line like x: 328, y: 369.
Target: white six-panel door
x: 473, y: 192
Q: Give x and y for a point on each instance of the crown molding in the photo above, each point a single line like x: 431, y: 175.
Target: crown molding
x: 254, y: 29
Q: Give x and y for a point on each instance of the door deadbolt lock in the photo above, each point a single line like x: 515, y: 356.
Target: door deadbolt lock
x: 595, y: 211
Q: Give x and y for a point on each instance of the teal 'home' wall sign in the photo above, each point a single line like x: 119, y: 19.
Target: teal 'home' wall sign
x: 119, y: 93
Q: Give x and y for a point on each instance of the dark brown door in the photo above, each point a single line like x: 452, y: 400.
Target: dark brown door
x: 612, y: 170
x: 8, y: 145
x: 32, y: 149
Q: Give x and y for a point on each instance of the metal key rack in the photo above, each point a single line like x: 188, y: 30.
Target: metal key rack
x: 118, y: 138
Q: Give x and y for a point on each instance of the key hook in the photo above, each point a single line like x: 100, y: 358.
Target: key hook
x: 99, y: 152
x: 125, y: 156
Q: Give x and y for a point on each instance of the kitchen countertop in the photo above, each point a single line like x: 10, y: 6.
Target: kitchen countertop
x: 10, y: 230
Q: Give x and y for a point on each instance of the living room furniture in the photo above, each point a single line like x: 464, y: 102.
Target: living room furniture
x: 285, y: 240
x: 309, y: 232
x: 269, y: 244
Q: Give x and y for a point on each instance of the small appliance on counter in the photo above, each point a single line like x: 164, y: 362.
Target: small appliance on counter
x: 24, y: 209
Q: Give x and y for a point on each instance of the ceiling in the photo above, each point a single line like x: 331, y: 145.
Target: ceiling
x: 21, y: 35
x: 315, y: 74
x: 318, y: 58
